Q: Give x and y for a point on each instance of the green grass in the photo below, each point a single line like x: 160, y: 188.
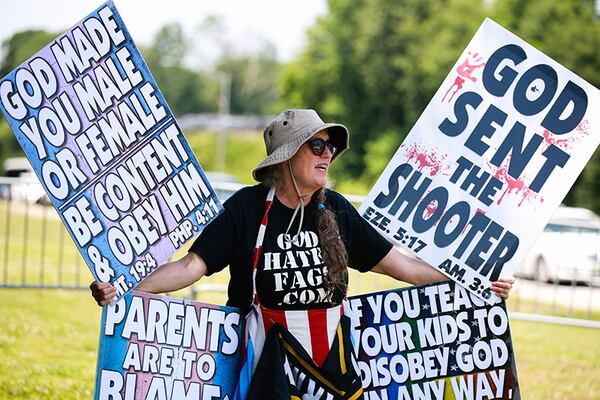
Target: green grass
x: 48, y: 344
x: 557, y: 362
x: 49, y: 339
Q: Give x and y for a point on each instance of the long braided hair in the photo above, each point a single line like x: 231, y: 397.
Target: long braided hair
x: 332, y: 247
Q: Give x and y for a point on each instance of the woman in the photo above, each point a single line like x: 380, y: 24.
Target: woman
x: 298, y: 237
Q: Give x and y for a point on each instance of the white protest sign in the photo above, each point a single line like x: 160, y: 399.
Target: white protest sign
x: 107, y: 149
x: 489, y: 160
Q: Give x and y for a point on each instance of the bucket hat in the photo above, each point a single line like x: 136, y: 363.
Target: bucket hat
x: 290, y: 130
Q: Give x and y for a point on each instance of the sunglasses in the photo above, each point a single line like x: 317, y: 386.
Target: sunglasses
x: 318, y: 146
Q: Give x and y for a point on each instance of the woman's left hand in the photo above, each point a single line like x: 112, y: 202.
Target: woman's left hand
x: 502, y: 287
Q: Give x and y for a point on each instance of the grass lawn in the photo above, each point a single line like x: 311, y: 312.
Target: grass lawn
x: 49, y: 339
x: 557, y: 362
x: 48, y: 344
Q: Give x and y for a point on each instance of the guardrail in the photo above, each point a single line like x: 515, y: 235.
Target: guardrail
x: 36, y: 251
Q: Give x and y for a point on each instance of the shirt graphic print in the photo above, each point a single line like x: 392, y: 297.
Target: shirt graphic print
x: 293, y: 272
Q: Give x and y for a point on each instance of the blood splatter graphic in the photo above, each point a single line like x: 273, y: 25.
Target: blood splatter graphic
x: 550, y: 139
x: 583, y: 128
x: 570, y: 139
x: 430, y: 209
x: 514, y: 187
x: 464, y: 71
x: 457, y: 85
x: 427, y: 160
x: 565, y: 142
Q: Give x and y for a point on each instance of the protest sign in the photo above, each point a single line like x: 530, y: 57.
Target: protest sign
x: 489, y: 160
x: 159, y: 347
x: 108, y: 150
x: 432, y: 342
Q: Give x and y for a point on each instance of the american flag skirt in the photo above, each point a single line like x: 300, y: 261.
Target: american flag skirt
x: 314, y: 329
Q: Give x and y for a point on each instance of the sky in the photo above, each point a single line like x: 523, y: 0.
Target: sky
x: 247, y: 22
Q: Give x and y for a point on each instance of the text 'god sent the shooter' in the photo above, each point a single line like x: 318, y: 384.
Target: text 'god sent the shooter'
x: 488, y: 161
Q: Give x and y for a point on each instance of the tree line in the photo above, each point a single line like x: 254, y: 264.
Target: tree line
x: 370, y: 64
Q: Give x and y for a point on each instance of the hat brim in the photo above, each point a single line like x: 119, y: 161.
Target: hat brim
x: 338, y: 135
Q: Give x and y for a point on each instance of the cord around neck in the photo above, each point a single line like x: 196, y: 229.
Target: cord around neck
x: 299, y: 206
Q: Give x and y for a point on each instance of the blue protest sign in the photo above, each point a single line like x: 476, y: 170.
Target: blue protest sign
x: 159, y: 347
x: 107, y: 149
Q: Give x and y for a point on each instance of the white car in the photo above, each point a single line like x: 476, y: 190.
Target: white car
x: 29, y: 189
x: 567, y: 250
x: 23, y: 185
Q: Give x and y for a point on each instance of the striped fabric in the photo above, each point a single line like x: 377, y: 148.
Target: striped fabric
x: 314, y: 329
x: 307, y: 326
x: 259, y: 241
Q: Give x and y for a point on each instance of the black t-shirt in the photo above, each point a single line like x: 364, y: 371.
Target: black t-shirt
x: 290, y: 275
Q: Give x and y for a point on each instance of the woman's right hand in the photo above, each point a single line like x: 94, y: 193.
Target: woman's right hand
x: 103, y: 292
x: 169, y: 277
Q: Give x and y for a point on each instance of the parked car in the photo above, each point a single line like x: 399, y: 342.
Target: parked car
x: 567, y: 250
x: 25, y: 185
